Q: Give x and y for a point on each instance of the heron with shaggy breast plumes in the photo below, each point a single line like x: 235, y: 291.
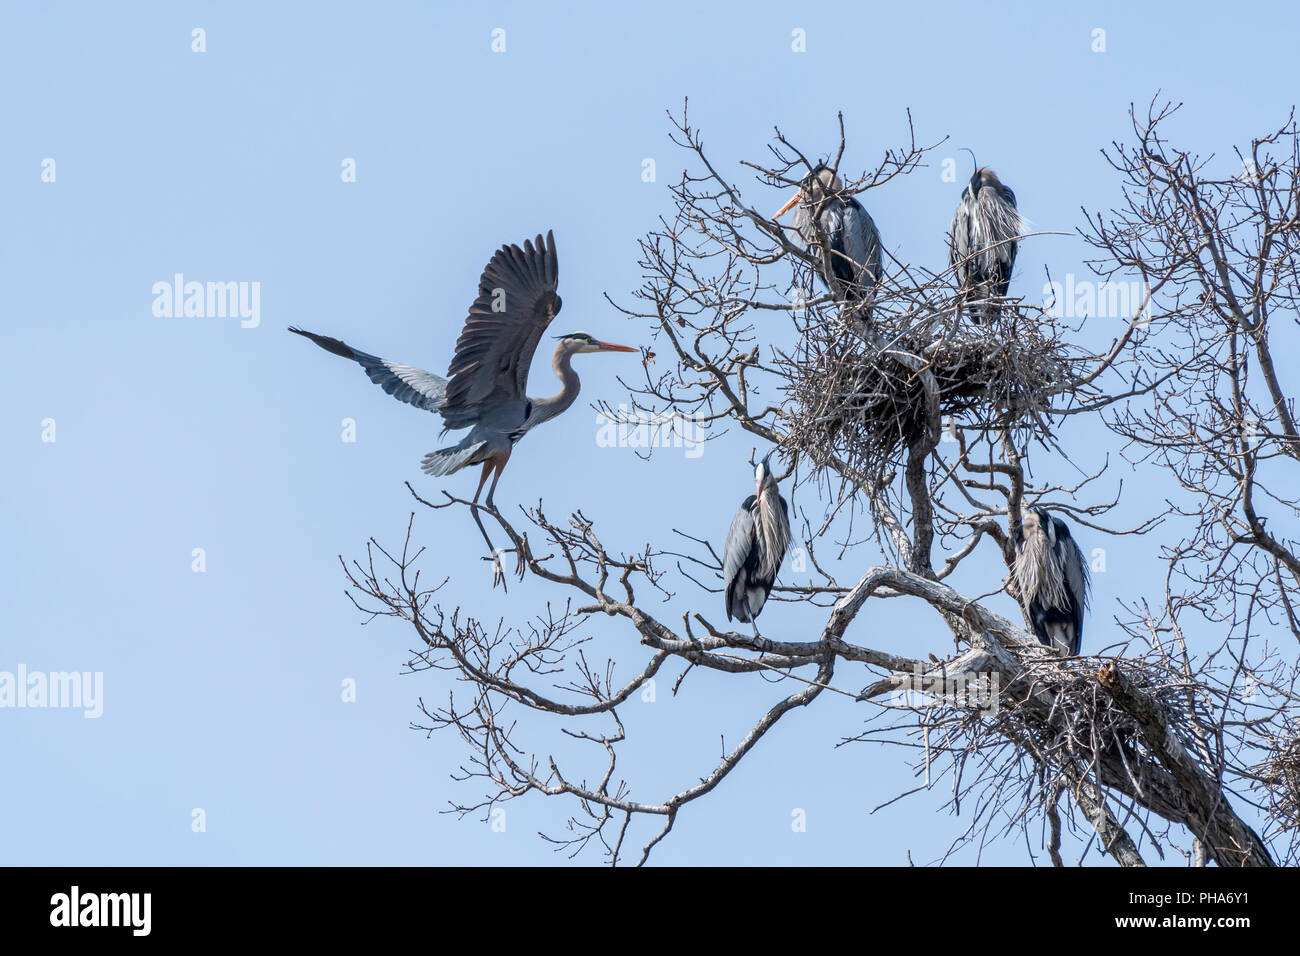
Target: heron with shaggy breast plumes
x: 983, y: 238
x: 756, y: 545
x: 1052, y: 579
x: 851, y: 234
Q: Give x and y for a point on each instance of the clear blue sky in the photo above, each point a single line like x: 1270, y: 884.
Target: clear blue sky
x: 222, y: 689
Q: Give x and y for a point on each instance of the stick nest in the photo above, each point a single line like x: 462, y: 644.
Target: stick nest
x: 863, y: 392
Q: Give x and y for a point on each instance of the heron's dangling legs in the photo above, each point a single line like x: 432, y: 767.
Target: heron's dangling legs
x: 497, y: 575
x: 500, y: 465
x: 519, y: 552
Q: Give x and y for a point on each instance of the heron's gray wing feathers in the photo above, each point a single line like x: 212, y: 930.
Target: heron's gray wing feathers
x: 1076, y: 573
x: 516, y: 302
x: 740, y: 541
x: 405, y: 383
x: 1076, y: 579
x: 1013, y: 247
x: 959, y: 239
x: 862, y: 244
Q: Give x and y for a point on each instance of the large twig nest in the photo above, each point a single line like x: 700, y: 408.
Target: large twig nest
x: 862, y: 392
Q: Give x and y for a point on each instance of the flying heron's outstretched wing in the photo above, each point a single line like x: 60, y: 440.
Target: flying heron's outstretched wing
x: 516, y: 302
x: 738, y: 553
x: 405, y: 383
x: 862, y: 244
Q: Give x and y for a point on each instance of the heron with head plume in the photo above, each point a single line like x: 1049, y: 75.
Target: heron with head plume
x: 1052, y: 579
x: 851, y: 234
x: 983, y: 239
x: 756, y: 545
x: 485, y: 388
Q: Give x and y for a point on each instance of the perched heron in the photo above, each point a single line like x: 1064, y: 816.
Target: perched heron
x: 1053, y: 580
x: 850, y: 232
x: 756, y: 545
x: 516, y: 302
x: 983, y: 239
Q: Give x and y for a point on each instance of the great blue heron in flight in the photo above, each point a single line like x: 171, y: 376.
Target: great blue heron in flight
x: 1053, y: 580
x: 851, y: 233
x: 756, y: 545
x: 516, y: 302
x: 982, y: 241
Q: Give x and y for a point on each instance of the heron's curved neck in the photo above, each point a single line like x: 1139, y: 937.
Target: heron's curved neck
x: 547, y: 408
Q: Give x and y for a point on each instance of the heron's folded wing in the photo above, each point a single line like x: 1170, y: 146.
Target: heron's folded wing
x: 862, y: 243
x: 959, y: 237
x: 405, y: 383
x: 1076, y: 570
x: 516, y: 302
x: 842, y: 265
x: 740, y: 541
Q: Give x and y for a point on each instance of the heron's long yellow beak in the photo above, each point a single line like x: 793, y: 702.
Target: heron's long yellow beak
x: 786, y: 208
x: 611, y: 347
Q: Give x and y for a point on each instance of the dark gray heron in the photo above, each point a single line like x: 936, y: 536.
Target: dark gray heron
x: 516, y: 302
x: 850, y: 232
x: 982, y: 241
x: 756, y: 545
x: 1053, y: 580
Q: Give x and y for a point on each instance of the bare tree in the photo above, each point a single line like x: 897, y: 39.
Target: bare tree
x: 1218, y: 248
x: 1149, y: 746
